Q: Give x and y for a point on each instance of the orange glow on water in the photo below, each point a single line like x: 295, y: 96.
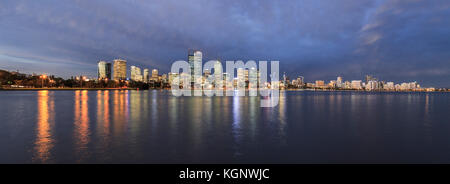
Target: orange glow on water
x: 81, y: 122
x: 44, y: 140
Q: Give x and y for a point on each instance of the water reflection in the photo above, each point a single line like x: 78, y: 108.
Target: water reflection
x: 237, y: 125
x: 81, y: 125
x: 103, y: 132
x: 45, y: 141
x: 306, y: 127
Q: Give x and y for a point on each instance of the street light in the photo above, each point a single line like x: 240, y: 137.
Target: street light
x: 43, y: 77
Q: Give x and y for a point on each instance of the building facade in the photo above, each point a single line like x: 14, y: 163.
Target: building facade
x: 104, y: 70
x: 120, y: 69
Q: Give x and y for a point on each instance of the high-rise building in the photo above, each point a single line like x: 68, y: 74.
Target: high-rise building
x: 339, y: 82
x: 240, y: 78
x: 191, y: 64
x: 146, y: 75
x: 300, y: 81
x: 154, y: 77
x: 133, y: 72
x: 218, y: 74
x: 197, y: 69
x: 253, y: 78
x: 154, y: 73
x: 136, y: 73
x: 120, y: 69
x: 104, y: 70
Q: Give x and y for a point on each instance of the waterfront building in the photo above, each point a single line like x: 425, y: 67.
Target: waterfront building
x: 300, y: 81
x: 347, y: 85
x: 191, y: 64
x: 253, y: 78
x: 197, y: 62
x: 339, y: 82
x: 104, y: 70
x: 155, y: 75
x: 357, y: 84
x: 372, y: 85
x: 136, y: 73
x: 218, y: 74
x: 146, y: 75
x: 320, y: 83
x: 389, y: 86
x: 240, y: 78
x: 404, y: 86
x: 120, y: 69
x: 172, y: 76
x: 332, y: 84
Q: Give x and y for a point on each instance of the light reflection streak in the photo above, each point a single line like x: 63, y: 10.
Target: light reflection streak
x: 81, y: 122
x: 103, y: 122
x: 236, y: 127
x: 45, y: 123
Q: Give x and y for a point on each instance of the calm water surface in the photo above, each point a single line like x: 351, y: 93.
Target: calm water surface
x: 156, y: 127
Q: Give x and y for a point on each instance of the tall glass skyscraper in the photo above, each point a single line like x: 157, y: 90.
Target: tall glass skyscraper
x: 195, y: 64
x: 104, y: 70
x: 120, y: 69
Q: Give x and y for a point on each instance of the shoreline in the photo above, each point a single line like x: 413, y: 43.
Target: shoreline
x: 63, y: 89
x: 97, y: 89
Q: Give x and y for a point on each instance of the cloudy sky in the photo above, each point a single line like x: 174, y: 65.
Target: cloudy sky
x: 394, y: 40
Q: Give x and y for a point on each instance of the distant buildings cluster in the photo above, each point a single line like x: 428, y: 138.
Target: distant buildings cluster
x: 119, y: 72
x: 114, y: 75
x: 370, y: 84
x: 243, y: 77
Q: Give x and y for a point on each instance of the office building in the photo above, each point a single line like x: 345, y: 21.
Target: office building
x: 146, y: 75
x: 356, y: 84
x: 104, y: 70
x: 136, y: 74
x: 120, y: 69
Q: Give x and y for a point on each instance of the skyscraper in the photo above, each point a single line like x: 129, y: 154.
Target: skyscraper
x: 146, y: 75
x: 104, y: 70
x: 191, y: 65
x: 240, y: 78
x: 339, y: 82
x: 218, y: 74
x: 133, y: 73
x: 154, y: 73
x: 136, y: 73
x: 120, y: 69
x: 197, y: 69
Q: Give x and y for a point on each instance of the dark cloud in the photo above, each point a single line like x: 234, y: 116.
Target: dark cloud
x: 399, y: 40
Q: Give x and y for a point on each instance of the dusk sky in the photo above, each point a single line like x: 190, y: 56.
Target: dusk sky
x: 394, y: 40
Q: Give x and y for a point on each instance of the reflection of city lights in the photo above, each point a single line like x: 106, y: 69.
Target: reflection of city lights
x: 44, y: 141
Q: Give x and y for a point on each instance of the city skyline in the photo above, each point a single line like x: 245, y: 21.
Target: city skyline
x: 195, y: 62
x: 397, y: 40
